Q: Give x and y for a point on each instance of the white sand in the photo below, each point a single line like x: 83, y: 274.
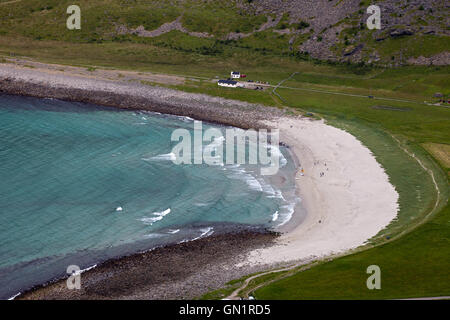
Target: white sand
x: 353, y: 200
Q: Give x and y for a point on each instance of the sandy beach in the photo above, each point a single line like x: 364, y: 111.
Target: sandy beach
x: 345, y: 191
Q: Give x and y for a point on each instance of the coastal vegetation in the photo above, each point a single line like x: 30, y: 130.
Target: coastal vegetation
x: 222, y: 28
x: 413, y: 266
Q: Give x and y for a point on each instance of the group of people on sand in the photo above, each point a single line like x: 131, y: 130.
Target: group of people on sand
x: 301, y: 171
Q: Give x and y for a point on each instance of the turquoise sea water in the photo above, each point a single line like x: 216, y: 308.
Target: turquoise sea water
x: 80, y: 184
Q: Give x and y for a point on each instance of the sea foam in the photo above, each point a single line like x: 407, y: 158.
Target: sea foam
x: 163, y: 157
x: 157, y: 217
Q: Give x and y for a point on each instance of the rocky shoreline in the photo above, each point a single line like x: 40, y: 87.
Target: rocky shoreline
x: 181, y: 271
x: 132, y: 95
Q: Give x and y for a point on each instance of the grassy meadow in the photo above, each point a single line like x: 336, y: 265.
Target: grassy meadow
x: 416, y: 265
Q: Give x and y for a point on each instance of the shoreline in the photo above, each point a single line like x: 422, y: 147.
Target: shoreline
x: 346, y: 205
x: 185, y: 270
x: 339, y: 216
x: 233, y: 241
x: 131, y: 95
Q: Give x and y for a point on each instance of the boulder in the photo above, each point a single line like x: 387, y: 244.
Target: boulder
x: 352, y: 49
x: 401, y: 32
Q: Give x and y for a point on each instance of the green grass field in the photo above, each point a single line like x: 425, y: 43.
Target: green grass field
x: 415, y: 265
x: 416, y: 259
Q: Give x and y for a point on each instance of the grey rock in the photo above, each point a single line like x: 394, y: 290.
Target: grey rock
x: 401, y: 32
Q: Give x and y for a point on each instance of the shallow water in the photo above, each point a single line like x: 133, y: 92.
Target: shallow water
x: 80, y: 184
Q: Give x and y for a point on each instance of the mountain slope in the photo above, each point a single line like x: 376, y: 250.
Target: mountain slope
x: 413, y: 31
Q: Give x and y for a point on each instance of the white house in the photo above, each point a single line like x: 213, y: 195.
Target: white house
x: 229, y: 83
x: 235, y: 74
